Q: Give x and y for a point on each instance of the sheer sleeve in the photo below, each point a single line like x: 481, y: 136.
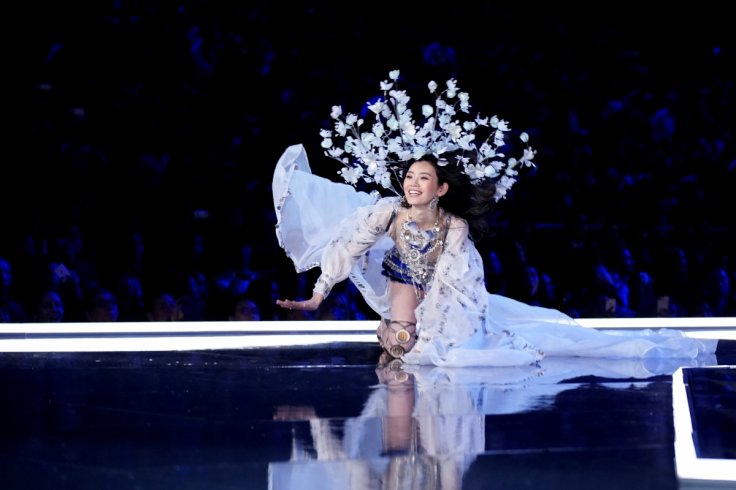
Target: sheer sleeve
x: 309, y: 208
x: 356, y: 234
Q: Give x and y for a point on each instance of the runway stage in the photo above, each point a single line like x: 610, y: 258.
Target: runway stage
x: 282, y: 405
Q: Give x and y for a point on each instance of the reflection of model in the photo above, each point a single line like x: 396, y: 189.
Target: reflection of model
x: 423, y: 426
x: 413, y: 257
x: 396, y: 442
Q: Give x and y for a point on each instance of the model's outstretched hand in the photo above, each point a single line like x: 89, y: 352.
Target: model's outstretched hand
x: 305, y: 305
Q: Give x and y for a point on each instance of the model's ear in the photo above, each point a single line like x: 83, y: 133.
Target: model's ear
x: 442, y: 190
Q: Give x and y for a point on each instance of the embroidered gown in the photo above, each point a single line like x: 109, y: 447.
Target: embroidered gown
x: 347, y: 234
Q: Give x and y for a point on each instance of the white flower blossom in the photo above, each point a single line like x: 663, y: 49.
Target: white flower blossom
x: 386, y: 180
x: 407, y: 125
x: 489, y: 171
x: 351, y: 174
x: 336, y: 111
x: 454, y: 131
x: 451, y: 88
x: 378, y: 130
x: 487, y: 151
x: 528, y: 156
x: 341, y: 128
x: 377, y: 107
x: 497, y: 166
x: 506, y: 182
x: 465, y: 141
x: 499, y: 124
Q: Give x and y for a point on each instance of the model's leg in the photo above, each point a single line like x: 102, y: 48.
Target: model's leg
x: 398, y: 335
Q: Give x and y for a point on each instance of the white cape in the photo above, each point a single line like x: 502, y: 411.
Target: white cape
x: 322, y: 223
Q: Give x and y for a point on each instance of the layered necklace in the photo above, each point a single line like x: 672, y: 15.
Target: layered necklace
x: 419, y: 245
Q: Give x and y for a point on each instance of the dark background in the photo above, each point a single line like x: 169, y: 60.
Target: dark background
x: 161, y: 122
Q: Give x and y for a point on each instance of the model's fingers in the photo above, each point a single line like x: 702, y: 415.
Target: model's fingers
x: 285, y: 303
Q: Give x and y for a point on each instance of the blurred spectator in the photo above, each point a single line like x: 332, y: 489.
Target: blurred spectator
x: 68, y: 285
x: 164, y: 308
x: 245, y: 310
x: 4, y: 311
x: 131, y: 302
x: 13, y: 311
x: 715, y: 294
x: 50, y: 308
x: 102, y: 306
x: 337, y: 306
x: 194, y: 302
x: 496, y: 280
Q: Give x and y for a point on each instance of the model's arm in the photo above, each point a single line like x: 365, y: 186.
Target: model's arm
x: 353, y: 238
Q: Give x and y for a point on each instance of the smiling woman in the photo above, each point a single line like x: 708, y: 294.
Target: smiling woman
x: 413, y: 257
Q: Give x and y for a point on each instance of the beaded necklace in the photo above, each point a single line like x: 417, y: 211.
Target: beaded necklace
x: 418, y: 246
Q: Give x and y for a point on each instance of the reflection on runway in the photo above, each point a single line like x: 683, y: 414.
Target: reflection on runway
x: 423, y: 426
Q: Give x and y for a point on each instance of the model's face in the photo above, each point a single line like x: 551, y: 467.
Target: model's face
x: 421, y: 184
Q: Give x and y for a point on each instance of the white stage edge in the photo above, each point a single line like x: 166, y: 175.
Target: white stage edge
x: 164, y: 336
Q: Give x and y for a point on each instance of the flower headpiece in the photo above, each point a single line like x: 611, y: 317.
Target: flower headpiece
x: 374, y: 155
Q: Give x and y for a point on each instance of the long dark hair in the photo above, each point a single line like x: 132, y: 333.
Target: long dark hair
x: 472, y: 202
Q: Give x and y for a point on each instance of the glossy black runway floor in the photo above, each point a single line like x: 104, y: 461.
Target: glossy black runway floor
x: 335, y: 416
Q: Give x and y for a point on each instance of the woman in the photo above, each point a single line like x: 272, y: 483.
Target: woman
x: 413, y: 258
x: 417, y: 267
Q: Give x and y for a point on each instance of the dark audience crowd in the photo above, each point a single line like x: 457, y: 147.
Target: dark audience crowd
x: 144, y: 192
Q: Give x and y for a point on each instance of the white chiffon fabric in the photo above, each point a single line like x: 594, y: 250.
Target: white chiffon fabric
x: 344, y: 232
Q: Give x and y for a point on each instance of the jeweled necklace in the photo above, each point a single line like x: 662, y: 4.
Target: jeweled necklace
x: 419, y: 244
